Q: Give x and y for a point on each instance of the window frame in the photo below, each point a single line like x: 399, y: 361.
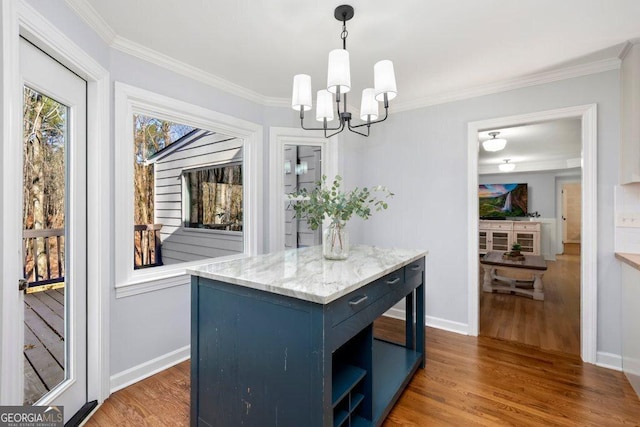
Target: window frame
x: 130, y: 100
x: 278, y: 138
x: 186, y: 198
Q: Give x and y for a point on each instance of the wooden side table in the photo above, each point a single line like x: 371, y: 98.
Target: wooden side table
x: 533, y: 264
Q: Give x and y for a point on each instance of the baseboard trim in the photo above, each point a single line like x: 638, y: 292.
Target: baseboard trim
x: 447, y: 325
x: 609, y: 360
x: 395, y: 313
x: 144, y: 370
x: 432, y: 322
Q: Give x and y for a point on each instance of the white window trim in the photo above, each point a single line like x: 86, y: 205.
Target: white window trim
x: 130, y: 100
x: 278, y: 138
x: 186, y: 197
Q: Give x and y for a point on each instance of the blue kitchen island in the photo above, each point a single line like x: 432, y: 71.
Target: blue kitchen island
x: 286, y: 339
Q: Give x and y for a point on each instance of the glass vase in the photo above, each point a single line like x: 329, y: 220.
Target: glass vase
x: 335, y: 241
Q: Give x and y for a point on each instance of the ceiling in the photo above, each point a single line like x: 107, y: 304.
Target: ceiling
x: 552, y: 145
x: 439, y: 47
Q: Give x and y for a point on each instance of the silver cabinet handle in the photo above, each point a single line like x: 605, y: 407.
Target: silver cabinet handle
x: 393, y: 281
x: 415, y: 267
x: 359, y: 300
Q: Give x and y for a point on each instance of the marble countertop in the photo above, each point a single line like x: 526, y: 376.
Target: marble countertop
x: 305, y: 274
x: 632, y: 259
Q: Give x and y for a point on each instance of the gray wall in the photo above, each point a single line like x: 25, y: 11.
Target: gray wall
x: 421, y: 155
x: 541, y: 188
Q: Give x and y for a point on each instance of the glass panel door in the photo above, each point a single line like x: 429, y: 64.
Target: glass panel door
x: 500, y: 241
x: 53, y: 352
x: 45, y: 138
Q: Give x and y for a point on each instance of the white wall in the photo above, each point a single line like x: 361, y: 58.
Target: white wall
x: 421, y: 155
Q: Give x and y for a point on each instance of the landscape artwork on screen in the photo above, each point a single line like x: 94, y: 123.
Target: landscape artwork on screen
x: 502, y: 200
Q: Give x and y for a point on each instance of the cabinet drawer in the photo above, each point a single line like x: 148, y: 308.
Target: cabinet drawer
x: 356, y: 301
x: 501, y: 226
x: 526, y: 226
x: 413, y: 272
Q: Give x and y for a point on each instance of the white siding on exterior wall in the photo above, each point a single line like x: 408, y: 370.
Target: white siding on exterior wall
x: 183, y: 244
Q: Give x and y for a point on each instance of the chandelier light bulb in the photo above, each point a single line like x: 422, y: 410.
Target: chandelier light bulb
x: 369, y: 105
x: 301, y: 92
x: 324, y: 106
x: 339, y: 73
x: 384, y: 80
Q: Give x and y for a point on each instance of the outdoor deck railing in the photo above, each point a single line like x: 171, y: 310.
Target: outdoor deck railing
x: 43, y: 253
x: 147, y: 246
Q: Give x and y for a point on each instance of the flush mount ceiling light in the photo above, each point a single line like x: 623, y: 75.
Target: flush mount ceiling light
x: 506, y: 166
x: 339, y: 83
x: 494, y: 144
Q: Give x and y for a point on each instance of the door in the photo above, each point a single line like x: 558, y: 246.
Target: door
x: 571, y: 213
x: 53, y: 212
x: 302, y: 169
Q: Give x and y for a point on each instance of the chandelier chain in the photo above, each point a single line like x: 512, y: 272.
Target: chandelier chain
x: 344, y: 34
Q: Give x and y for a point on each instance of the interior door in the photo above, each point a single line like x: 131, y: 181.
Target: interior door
x: 53, y: 212
x: 571, y: 212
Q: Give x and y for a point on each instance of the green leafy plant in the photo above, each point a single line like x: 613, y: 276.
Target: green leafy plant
x: 516, y: 246
x: 338, y: 205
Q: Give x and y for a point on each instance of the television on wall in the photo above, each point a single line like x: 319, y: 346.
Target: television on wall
x: 502, y: 200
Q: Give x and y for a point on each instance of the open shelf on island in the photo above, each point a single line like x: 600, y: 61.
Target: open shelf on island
x: 393, y: 367
x: 344, y: 380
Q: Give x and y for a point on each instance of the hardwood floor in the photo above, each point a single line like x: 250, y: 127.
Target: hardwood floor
x: 552, y: 324
x: 467, y: 381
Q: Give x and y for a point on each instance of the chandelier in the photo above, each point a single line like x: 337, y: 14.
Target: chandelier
x: 339, y: 84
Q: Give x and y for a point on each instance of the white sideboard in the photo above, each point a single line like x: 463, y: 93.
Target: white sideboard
x: 499, y: 235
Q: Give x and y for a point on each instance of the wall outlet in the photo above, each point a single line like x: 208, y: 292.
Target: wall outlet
x: 628, y: 219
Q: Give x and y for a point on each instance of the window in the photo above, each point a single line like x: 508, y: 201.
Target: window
x: 151, y: 136
x: 213, y: 198
x: 241, y: 142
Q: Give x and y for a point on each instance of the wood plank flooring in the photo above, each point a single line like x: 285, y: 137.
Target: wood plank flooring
x: 468, y: 381
x: 552, y: 324
x: 43, y: 342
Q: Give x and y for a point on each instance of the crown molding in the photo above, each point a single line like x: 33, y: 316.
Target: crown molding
x: 511, y: 84
x: 277, y: 102
x: 83, y: 9
x: 89, y: 15
x: 169, y: 63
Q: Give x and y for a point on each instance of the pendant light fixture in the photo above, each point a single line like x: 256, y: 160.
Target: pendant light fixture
x: 494, y: 144
x: 339, y: 84
x: 506, y: 166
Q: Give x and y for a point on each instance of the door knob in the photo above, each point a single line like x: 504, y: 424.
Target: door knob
x: 23, y: 284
